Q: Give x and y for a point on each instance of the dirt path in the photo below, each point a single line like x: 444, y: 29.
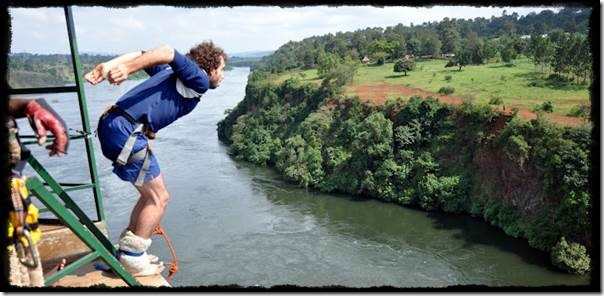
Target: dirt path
x: 377, y: 94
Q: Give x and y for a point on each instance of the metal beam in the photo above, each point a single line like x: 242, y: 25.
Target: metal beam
x: 48, y: 139
x: 70, y: 268
x: 77, y: 69
x: 43, y: 90
x: 67, y: 217
x: 69, y: 203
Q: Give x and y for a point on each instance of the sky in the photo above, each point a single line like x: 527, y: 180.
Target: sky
x: 237, y: 29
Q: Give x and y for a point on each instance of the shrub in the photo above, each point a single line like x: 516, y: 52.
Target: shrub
x: 505, y: 217
x: 380, y: 57
x: 581, y: 110
x: 546, y: 106
x: 570, y: 257
x: 446, y: 90
x: 404, y: 65
x: 340, y: 74
x: 448, y: 78
x: 326, y: 63
x: 300, y: 162
x: 441, y: 192
x: 496, y: 101
x: 558, y: 79
x: 517, y: 149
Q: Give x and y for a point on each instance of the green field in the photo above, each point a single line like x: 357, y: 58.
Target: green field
x: 478, y: 83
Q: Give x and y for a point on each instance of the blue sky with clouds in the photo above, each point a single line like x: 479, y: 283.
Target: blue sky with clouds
x: 238, y: 29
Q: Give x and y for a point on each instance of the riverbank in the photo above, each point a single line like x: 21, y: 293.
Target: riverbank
x: 531, y: 179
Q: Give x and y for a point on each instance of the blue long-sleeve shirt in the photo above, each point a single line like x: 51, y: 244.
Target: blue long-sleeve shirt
x: 172, y: 91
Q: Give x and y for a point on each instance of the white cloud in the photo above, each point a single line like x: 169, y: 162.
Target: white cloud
x: 237, y: 29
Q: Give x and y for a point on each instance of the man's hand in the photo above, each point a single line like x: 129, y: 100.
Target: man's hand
x: 118, y: 74
x: 96, y: 75
x: 42, y: 120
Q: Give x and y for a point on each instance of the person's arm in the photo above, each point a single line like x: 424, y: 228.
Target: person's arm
x: 100, y: 71
x: 42, y: 118
x: 117, y: 70
x: 157, y: 56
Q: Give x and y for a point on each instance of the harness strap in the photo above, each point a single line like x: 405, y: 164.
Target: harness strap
x: 122, y: 159
x: 146, y: 164
x: 128, y: 253
x: 126, y: 155
x: 18, y: 220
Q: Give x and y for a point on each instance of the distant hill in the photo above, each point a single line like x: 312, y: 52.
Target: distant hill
x: 251, y: 54
x: 38, y: 70
x: 246, y: 59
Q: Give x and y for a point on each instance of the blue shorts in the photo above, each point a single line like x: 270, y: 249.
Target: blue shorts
x: 113, y: 131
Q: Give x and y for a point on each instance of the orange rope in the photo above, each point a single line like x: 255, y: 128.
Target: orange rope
x: 174, y: 264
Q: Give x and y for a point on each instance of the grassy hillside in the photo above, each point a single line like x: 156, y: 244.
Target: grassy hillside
x: 520, y: 86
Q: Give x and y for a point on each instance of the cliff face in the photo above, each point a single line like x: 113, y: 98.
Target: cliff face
x: 529, y: 178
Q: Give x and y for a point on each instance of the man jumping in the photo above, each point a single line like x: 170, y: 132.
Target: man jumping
x: 173, y: 89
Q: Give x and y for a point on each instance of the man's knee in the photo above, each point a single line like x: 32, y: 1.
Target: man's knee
x: 164, y: 197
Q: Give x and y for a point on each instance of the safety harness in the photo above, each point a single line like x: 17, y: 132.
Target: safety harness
x: 23, y: 228
x: 126, y: 156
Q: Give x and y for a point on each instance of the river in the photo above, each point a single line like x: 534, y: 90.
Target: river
x: 235, y: 223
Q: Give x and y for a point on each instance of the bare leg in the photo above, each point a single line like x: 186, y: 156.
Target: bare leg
x: 154, y: 197
x: 134, y: 215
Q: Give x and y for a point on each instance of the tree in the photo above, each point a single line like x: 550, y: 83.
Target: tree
x: 380, y: 57
x: 475, y: 48
x: 414, y: 46
x: 342, y: 73
x: 399, y: 48
x: 449, y: 37
x: 563, y: 51
x: 490, y: 49
x: 404, y: 65
x: 584, y: 61
x: 462, y: 58
x: 326, y: 62
x: 380, y: 49
x: 507, y: 52
x: 430, y: 44
x: 309, y: 59
x: 300, y: 162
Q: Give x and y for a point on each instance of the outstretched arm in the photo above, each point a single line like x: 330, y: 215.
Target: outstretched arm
x: 118, y: 69
x: 100, y: 71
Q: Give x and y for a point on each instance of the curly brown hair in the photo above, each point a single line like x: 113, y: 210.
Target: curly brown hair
x: 207, y: 55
